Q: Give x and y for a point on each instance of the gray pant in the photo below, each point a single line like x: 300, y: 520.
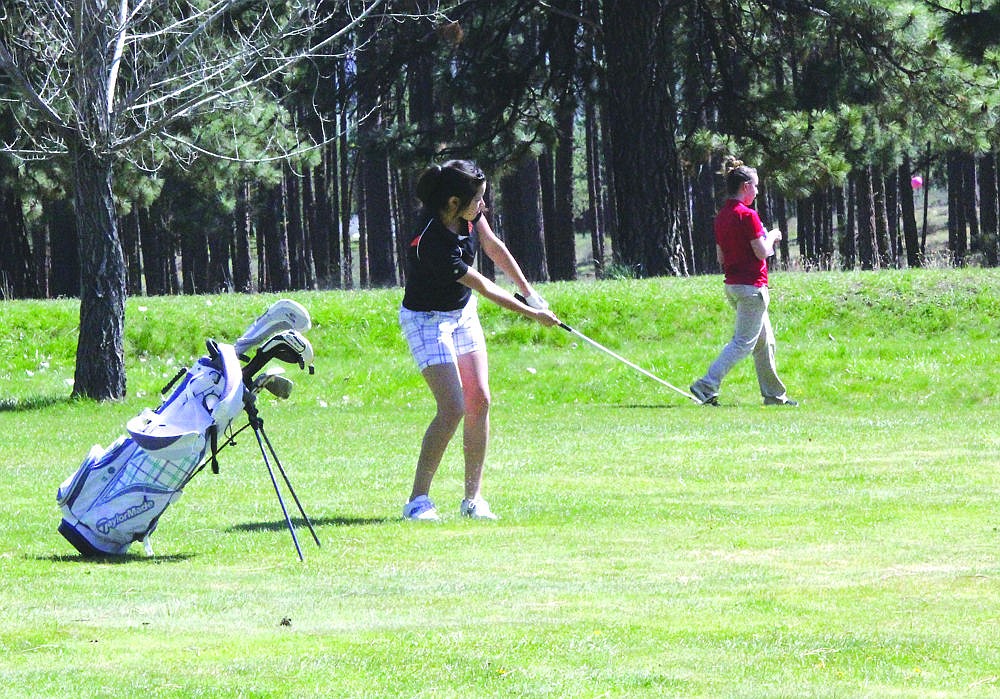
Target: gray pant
x: 753, y: 334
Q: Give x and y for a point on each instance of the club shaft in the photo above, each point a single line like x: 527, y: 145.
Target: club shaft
x: 620, y: 358
x: 626, y: 362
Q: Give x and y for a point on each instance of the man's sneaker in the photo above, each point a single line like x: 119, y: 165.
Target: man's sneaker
x: 703, y: 396
x: 420, y: 509
x: 477, y: 509
x: 783, y: 400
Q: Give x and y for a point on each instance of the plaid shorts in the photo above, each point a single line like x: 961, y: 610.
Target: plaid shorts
x: 440, y: 337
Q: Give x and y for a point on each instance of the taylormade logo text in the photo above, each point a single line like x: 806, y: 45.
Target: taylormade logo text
x: 107, y: 523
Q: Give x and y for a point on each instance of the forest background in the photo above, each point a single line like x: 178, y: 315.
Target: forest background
x: 201, y: 146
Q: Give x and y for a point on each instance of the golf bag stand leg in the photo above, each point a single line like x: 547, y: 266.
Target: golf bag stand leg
x: 257, y: 424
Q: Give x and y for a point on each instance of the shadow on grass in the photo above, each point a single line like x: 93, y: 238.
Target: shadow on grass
x: 17, y: 405
x: 116, y: 560
x: 300, y: 523
x: 280, y: 525
x: 646, y: 406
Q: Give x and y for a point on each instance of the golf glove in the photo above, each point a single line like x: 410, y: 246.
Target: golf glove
x: 537, y: 302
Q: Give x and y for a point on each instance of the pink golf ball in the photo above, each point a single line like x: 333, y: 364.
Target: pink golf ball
x: 916, y: 181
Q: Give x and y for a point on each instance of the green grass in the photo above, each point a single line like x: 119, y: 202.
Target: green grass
x: 648, y: 547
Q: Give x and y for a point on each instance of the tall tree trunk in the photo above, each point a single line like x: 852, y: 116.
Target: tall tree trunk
x: 704, y: 258
x: 560, y: 238
x: 274, y: 267
x: 907, y: 213
x: 849, y: 242
x: 595, y: 184
x: 546, y: 193
x: 595, y: 107
x: 100, y: 354
x: 892, y: 216
x: 970, y: 201
x: 642, y: 117
x: 822, y: 229
x: 958, y: 245
x: 41, y: 257
x: 220, y: 252
x: 521, y: 225
x: 157, y: 252
x: 194, y: 261
x: 781, y: 221
x: 882, y: 242
x: 989, y: 198
x: 319, y: 217
x: 804, y: 209
x: 242, y: 232
x: 299, y: 257
x: 335, y: 278
x: 378, y: 221
x: 65, y: 249
x: 130, y: 225
x: 844, y: 203
x: 867, y: 248
x: 344, y: 175
x: 16, y: 278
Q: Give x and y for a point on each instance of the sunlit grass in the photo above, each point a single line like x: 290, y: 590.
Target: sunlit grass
x: 648, y: 547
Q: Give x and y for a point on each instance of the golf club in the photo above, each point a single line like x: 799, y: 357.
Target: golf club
x: 620, y: 358
x: 282, y: 315
x: 289, y: 346
x: 273, y: 382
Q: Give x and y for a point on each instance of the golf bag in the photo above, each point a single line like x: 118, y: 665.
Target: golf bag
x: 117, y: 495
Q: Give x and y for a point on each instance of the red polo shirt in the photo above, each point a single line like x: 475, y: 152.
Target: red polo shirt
x: 735, y: 226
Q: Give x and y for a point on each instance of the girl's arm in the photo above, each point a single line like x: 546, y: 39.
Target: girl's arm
x: 763, y: 247
x: 498, y: 295
x: 495, y: 249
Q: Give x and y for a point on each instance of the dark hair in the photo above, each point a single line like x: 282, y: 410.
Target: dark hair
x: 736, y: 173
x: 455, y: 178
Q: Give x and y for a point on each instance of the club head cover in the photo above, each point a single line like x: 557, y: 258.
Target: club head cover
x: 290, y: 347
x: 282, y: 315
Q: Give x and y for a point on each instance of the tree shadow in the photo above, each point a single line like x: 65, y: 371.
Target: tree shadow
x: 19, y: 405
x: 280, y: 525
x: 131, y: 558
x: 645, y: 406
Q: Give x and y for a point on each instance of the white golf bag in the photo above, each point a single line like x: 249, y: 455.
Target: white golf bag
x: 117, y: 494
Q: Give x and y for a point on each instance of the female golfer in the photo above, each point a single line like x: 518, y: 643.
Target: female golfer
x: 439, y: 320
x: 742, y: 248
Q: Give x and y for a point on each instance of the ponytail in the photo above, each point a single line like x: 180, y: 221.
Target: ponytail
x: 455, y: 178
x: 736, y: 173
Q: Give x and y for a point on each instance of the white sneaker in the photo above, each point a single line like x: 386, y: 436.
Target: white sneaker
x: 420, y: 509
x: 477, y: 509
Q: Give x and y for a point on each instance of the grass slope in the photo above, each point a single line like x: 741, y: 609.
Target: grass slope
x: 648, y: 547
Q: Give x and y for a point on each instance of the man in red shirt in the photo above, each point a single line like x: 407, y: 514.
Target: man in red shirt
x: 742, y: 247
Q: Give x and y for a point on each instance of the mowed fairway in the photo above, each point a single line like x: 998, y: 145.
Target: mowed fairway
x: 648, y: 547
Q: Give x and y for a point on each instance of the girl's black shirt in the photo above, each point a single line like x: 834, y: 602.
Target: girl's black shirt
x: 436, y: 259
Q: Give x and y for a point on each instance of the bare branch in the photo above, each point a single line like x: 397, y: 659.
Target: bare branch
x: 209, y: 83
x: 116, y: 59
x: 9, y: 66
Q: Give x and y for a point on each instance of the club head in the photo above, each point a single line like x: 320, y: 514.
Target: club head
x: 274, y: 383
x: 265, y: 376
x: 282, y: 315
x: 290, y: 347
x: 279, y: 387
